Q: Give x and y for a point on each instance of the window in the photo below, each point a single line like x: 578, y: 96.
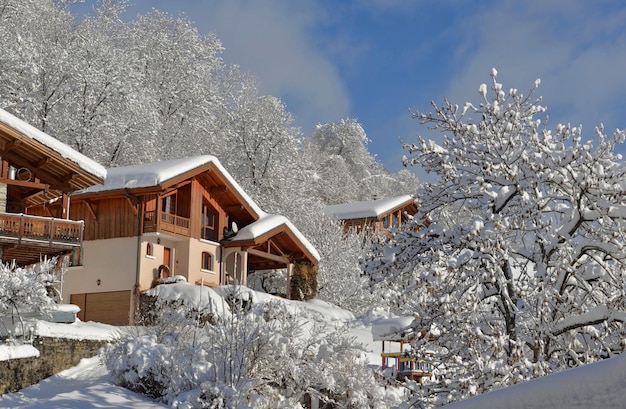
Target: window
x: 149, y: 250
x: 168, y: 204
x: 207, y: 261
x: 209, y: 228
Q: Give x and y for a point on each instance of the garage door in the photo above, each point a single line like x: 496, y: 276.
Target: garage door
x: 109, y: 308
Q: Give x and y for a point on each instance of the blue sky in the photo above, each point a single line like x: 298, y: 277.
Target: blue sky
x: 373, y: 60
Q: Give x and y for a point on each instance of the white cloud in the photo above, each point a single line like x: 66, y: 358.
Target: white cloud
x: 274, y: 41
x: 577, y: 48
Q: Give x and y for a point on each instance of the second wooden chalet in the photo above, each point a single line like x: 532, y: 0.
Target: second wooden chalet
x: 374, y: 215
x: 183, y: 217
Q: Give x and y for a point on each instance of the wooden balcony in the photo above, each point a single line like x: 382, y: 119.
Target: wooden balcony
x: 26, y: 239
x: 46, y: 231
x: 165, y: 222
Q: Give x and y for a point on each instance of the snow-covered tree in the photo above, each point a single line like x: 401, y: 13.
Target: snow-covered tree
x: 108, y: 114
x: 178, y: 68
x: 340, y: 279
x: 529, y: 278
x: 35, y: 35
x: 24, y: 290
x: 342, y: 168
x: 261, y: 144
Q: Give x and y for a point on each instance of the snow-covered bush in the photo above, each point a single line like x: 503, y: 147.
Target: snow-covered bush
x: 263, y: 355
x: 24, y: 290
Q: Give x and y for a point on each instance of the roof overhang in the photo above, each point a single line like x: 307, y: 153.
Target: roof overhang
x: 372, y: 209
x: 273, y: 230
x: 52, y: 167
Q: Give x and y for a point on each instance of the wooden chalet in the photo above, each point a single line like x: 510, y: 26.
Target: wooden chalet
x: 374, y: 215
x: 37, y: 175
x: 182, y: 217
x: 397, y: 360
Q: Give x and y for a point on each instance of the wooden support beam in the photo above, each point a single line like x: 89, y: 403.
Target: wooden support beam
x: 25, y: 183
x: 269, y: 256
x: 70, y: 177
x: 132, y: 205
x: 65, y: 209
x: 91, y: 210
x: 9, y: 146
x: 218, y: 189
x: 42, y: 162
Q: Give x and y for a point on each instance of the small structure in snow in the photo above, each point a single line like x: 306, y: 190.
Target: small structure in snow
x: 397, y: 361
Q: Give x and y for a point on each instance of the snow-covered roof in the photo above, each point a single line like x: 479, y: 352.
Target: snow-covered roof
x: 62, y: 149
x: 392, y: 329
x: 156, y: 173
x: 267, y: 223
x: 367, y: 209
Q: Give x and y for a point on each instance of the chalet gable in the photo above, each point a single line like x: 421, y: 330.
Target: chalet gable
x: 39, y: 167
x: 164, y: 176
x: 198, y: 182
x: 274, y: 229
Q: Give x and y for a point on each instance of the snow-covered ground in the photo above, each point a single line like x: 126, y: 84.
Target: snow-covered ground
x: 88, y: 385
x: 598, y: 385
x: 84, y: 386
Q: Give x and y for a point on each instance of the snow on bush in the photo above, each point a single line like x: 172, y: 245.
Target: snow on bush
x: 23, y: 290
x: 262, y: 354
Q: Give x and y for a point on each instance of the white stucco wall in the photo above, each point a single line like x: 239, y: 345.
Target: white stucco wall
x: 196, y: 273
x: 114, y: 262
x: 111, y: 261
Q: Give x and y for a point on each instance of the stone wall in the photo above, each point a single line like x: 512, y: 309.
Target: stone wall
x: 55, y: 355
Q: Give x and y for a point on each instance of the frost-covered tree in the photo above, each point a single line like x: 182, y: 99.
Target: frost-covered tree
x: 261, y: 149
x: 530, y: 278
x: 24, y: 290
x: 340, y: 278
x: 107, y: 115
x: 35, y: 35
x: 342, y: 168
x: 178, y: 68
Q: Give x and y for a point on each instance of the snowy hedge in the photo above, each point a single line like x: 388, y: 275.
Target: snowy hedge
x: 263, y: 356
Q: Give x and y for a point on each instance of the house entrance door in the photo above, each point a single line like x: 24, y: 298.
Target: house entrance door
x: 167, y: 261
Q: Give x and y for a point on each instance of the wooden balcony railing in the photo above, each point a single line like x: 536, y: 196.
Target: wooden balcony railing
x: 166, y: 222
x: 41, y: 230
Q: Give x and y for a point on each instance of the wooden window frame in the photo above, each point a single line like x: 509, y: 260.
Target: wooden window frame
x: 206, y: 262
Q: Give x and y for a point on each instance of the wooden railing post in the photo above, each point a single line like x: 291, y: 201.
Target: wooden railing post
x: 20, y: 231
x: 51, y: 232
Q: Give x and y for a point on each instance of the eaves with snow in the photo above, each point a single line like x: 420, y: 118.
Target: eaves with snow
x: 45, y: 160
x: 269, y: 225
x: 371, y: 209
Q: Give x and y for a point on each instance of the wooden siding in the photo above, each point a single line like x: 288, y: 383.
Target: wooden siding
x: 108, y: 218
